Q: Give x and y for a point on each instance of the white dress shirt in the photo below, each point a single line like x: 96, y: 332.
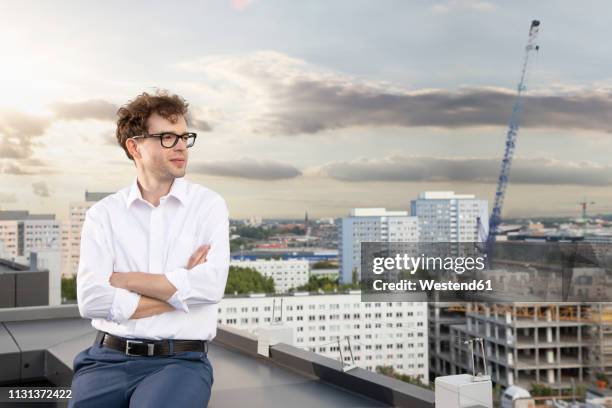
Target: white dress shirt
x: 125, y: 233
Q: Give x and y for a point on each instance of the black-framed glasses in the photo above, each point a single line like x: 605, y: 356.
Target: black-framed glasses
x: 170, y: 139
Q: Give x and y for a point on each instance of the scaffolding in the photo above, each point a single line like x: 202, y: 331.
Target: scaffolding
x: 595, y: 319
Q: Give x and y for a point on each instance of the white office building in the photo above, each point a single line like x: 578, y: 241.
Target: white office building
x: 9, y: 231
x: 448, y: 217
x: 71, y: 234
x: 41, y: 235
x: 334, y: 325
x: 51, y: 261
x: 286, y: 273
x: 371, y: 225
x: 23, y: 233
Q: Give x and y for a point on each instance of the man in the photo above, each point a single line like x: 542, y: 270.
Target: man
x: 154, y: 263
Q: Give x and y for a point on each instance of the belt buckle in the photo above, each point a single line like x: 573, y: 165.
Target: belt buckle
x: 128, y: 343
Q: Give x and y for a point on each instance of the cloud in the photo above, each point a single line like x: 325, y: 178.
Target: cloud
x: 471, y: 5
x: 90, y: 109
x: 280, y: 95
x: 7, y: 198
x: 26, y: 167
x: 17, y: 133
x: 41, y: 189
x: 18, y: 124
x: 202, y: 125
x: 248, y: 168
x: 34, y: 162
x: 399, y: 168
x: 14, y: 169
x: 101, y: 110
x: 105, y: 138
x: 19, y: 130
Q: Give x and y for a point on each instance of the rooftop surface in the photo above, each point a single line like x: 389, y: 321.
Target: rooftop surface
x: 7, y: 266
x: 39, y: 344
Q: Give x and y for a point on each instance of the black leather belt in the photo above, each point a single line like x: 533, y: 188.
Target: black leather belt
x: 136, y: 347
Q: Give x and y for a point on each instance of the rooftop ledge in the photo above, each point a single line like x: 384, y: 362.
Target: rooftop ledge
x: 289, y: 372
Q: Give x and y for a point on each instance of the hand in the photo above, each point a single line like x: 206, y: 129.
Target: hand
x: 198, y: 257
x: 119, y: 279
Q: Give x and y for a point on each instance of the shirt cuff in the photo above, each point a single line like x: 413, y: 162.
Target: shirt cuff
x: 124, y: 305
x: 178, y: 278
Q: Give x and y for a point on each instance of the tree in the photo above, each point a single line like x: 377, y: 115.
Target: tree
x: 247, y: 280
x: 541, y: 390
x: 326, y: 284
x: 390, y: 372
x: 324, y: 265
x: 253, y: 232
x: 239, y: 244
x: 69, y: 288
x: 315, y: 283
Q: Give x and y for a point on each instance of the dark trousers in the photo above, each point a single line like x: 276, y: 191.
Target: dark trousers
x: 104, y: 377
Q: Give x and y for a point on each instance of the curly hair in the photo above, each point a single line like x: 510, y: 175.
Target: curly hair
x: 133, y: 116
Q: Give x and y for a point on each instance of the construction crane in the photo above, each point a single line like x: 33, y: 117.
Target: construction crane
x: 511, y: 136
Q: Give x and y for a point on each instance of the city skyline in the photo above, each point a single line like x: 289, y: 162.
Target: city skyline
x: 310, y: 107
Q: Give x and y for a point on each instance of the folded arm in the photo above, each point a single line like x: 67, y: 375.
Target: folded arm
x: 205, y: 282
x: 152, y: 285
x: 148, y: 306
x: 204, y: 278
x: 96, y: 298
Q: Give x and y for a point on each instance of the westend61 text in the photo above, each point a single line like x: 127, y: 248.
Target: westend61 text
x: 428, y: 285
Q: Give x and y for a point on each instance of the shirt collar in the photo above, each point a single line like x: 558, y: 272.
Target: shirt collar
x: 178, y: 190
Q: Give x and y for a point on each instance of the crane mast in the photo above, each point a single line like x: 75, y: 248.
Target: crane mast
x: 511, y: 136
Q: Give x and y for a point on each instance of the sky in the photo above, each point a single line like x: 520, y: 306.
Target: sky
x: 313, y: 106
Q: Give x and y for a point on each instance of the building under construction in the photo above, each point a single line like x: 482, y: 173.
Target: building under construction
x: 553, y: 343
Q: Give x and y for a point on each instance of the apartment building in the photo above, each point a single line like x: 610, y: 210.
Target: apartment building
x: 71, y: 236
x: 286, y: 273
x: 444, y: 216
x: 338, y: 325
x: 371, y: 225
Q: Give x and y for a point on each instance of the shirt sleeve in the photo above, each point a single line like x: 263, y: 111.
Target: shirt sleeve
x: 205, y: 283
x: 96, y: 298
